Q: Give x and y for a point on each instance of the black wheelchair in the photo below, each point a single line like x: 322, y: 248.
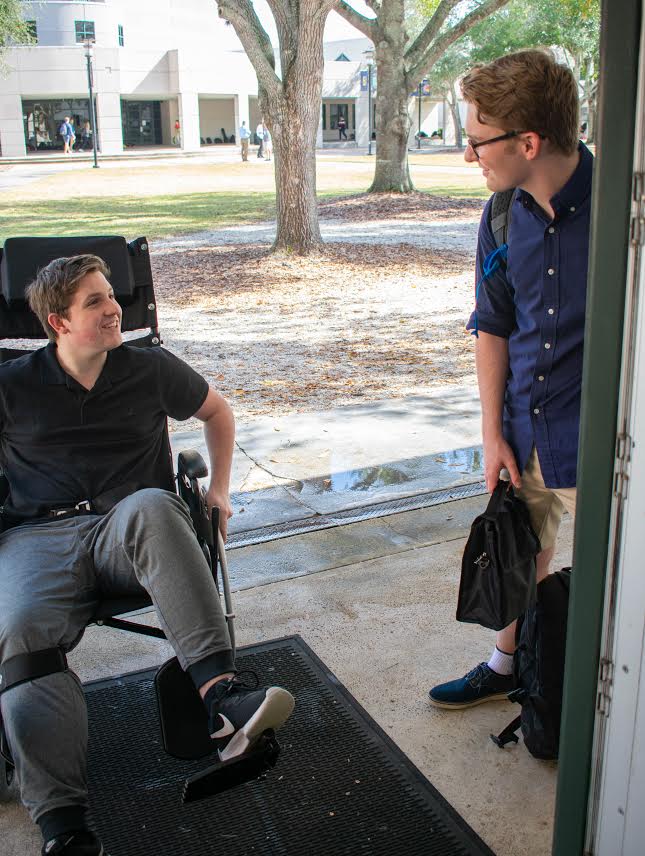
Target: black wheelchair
x: 182, y: 715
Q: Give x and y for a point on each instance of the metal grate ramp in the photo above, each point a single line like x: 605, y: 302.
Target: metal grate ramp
x: 340, y: 788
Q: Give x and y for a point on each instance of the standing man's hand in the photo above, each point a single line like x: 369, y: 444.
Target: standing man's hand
x: 498, y: 455
x: 219, y: 499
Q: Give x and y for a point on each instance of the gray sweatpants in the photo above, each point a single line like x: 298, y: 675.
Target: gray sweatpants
x: 51, y: 577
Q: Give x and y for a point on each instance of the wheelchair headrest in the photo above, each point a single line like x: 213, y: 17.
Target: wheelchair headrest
x: 22, y: 258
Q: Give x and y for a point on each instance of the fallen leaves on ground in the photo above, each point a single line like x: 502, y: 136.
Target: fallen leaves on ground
x: 279, y: 334
x: 399, y: 206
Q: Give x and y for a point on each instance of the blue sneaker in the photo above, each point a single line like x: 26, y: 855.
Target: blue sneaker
x: 479, y: 685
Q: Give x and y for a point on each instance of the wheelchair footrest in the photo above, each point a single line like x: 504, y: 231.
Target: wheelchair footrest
x: 229, y: 774
x: 183, y: 718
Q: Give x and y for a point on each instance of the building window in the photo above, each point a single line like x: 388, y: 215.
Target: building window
x: 324, y: 117
x: 342, y: 58
x: 32, y: 29
x: 121, y: 42
x: 84, y: 31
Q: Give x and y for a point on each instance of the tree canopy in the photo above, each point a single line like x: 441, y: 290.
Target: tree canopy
x: 13, y: 27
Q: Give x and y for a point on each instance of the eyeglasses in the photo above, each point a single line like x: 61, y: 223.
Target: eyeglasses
x: 509, y: 136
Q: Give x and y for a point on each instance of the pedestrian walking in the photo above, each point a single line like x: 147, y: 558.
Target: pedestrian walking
x: 245, y: 135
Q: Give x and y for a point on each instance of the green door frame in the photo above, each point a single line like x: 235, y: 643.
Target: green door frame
x: 619, y: 54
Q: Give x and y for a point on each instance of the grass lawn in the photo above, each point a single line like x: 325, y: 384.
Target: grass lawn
x: 178, y: 199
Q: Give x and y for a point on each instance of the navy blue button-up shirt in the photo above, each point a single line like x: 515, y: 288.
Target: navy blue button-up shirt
x: 537, y: 302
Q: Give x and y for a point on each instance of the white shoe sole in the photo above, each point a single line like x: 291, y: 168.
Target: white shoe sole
x: 272, y: 713
x: 461, y: 705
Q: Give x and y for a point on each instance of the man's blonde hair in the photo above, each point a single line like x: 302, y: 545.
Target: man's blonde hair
x: 527, y: 91
x: 55, y: 286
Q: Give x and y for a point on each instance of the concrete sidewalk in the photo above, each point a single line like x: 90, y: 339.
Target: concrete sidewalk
x: 307, y: 464
x: 376, y: 601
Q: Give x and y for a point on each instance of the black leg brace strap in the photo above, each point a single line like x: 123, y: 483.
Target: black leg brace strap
x: 27, y: 667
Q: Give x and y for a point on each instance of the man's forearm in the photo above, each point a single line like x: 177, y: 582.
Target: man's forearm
x: 491, y: 358
x: 219, y: 433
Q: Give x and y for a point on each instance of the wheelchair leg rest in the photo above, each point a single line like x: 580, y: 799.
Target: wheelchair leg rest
x: 229, y: 774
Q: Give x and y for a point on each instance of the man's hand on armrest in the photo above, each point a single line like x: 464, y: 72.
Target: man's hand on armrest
x: 219, y: 432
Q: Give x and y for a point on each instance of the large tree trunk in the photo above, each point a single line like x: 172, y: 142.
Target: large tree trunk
x: 290, y: 105
x: 294, y: 139
x: 392, y: 97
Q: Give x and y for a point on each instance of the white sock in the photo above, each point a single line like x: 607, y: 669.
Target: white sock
x: 501, y: 662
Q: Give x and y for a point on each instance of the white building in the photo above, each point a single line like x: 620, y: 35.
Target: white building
x: 165, y: 72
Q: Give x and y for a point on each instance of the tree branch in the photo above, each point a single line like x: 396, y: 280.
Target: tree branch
x: 287, y: 26
x: 255, y: 41
x: 438, y: 48
x: 367, y: 26
x: 427, y: 35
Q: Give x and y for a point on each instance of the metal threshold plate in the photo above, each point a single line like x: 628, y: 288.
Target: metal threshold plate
x: 354, y: 515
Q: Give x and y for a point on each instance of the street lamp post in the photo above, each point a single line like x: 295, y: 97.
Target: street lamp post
x: 369, y: 54
x: 88, y: 57
x: 369, y: 107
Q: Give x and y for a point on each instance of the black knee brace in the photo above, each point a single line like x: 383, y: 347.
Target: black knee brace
x: 27, y: 667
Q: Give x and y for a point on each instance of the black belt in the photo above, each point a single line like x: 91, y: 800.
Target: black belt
x: 83, y: 507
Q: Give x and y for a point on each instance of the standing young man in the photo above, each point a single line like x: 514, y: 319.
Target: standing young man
x: 92, y: 513
x: 522, y: 126
x: 245, y: 135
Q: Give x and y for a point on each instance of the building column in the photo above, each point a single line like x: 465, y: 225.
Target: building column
x: 188, y: 105
x: 12, y: 129
x: 108, y: 120
x: 242, y: 114
x: 362, y: 120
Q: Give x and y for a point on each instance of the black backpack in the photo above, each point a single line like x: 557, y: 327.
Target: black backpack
x: 538, y: 669
x: 500, y: 215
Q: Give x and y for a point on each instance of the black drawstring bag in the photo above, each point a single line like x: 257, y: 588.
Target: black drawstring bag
x: 498, y: 576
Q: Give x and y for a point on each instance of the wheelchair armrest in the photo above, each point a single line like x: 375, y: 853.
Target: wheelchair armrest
x: 191, y: 464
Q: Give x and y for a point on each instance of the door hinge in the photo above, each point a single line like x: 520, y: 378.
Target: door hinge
x: 605, y: 683
x: 637, y: 223
x: 623, y: 459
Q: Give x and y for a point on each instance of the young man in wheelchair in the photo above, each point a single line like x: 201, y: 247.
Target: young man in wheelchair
x: 83, y: 444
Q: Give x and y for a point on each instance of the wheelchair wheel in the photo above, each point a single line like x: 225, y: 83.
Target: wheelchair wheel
x: 7, y: 775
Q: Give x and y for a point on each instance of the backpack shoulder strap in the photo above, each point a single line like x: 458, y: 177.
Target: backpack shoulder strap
x: 500, y: 215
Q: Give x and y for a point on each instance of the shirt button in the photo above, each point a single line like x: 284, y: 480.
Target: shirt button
x: 551, y: 311
x: 547, y: 345
x: 572, y: 209
x: 541, y: 377
x: 551, y: 230
x: 536, y: 410
x: 550, y: 271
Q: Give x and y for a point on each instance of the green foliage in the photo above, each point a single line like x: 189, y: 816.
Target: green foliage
x: 13, y: 27
x: 573, y: 25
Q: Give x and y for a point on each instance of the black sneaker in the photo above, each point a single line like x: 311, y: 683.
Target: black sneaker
x: 81, y: 843
x: 479, y: 685
x: 240, y: 713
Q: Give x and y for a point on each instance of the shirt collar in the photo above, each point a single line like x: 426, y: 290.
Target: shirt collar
x: 577, y: 189
x: 52, y: 373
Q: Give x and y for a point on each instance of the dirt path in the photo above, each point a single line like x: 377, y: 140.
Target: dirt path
x: 359, y: 321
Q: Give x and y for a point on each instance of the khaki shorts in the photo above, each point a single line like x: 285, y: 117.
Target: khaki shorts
x: 545, y: 504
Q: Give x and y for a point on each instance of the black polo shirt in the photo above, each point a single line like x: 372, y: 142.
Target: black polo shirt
x: 61, y: 444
